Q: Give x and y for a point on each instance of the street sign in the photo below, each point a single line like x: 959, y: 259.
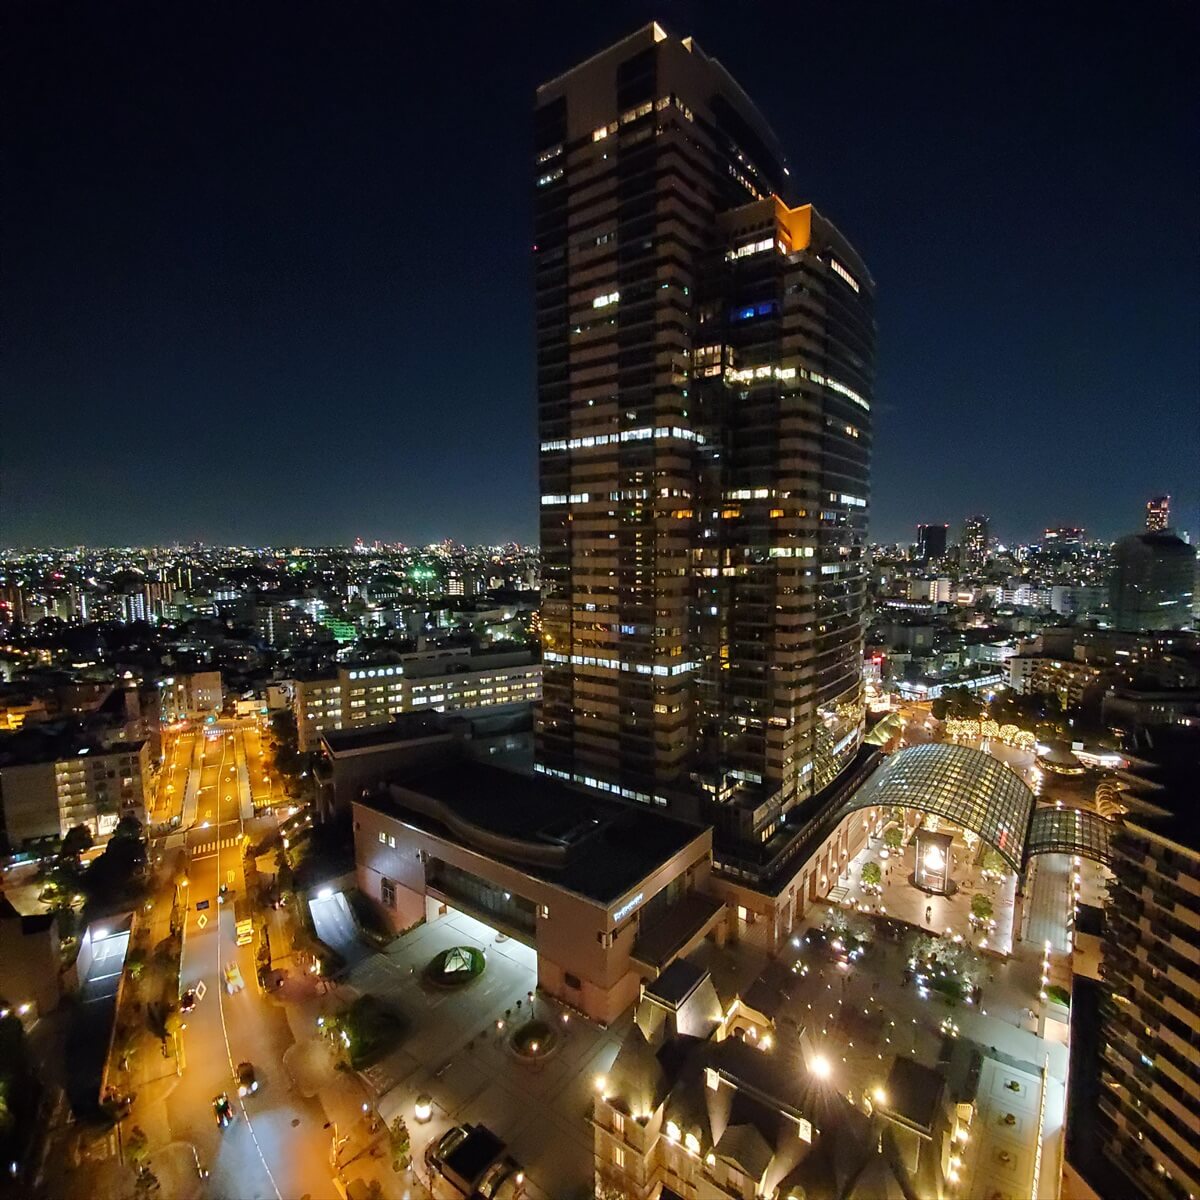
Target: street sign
x: 201, y: 905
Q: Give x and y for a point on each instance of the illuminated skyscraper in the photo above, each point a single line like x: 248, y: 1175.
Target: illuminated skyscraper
x: 705, y: 372
x: 973, y: 545
x: 1158, y: 513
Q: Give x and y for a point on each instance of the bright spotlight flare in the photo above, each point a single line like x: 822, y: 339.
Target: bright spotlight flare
x: 820, y: 1067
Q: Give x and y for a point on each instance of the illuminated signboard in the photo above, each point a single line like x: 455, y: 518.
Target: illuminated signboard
x: 628, y: 907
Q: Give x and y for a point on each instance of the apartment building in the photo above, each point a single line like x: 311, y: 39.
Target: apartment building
x: 191, y: 695
x: 1150, y: 1077
x: 363, y: 695
x: 705, y: 372
x: 50, y: 780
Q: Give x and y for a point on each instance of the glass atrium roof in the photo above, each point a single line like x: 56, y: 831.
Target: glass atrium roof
x: 966, y: 786
x: 1071, y: 831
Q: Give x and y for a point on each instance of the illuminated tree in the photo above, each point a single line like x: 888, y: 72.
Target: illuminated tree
x: 872, y: 876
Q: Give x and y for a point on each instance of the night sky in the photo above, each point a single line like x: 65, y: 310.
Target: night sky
x: 266, y: 272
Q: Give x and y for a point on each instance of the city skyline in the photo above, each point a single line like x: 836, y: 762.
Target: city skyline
x: 298, y: 328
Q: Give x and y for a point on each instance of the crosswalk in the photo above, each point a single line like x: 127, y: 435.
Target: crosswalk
x: 205, y: 848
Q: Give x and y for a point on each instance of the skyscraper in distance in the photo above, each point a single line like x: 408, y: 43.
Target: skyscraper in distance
x: 931, y: 541
x: 1152, y: 582
x: 705, y: 374
x: 973, y: 545
x: 1158, y: 513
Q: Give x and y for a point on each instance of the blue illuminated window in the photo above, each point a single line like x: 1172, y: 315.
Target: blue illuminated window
x: 762, y: 309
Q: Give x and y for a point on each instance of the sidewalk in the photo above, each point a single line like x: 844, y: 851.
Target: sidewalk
x: 141, y: 1066
x: 363, y: 1148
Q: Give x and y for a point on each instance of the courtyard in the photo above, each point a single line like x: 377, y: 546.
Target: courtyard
x: 456, y: 1050
x: 897, y: 896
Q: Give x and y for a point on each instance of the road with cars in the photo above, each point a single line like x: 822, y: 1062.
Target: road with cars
x: 276, y: 1147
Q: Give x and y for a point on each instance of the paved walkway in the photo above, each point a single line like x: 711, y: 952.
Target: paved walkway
x: 906, y: 902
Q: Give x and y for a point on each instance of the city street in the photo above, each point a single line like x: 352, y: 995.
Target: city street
x: 276, y: 1146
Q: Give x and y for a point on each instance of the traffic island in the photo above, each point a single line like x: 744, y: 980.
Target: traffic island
x: 455, y: 966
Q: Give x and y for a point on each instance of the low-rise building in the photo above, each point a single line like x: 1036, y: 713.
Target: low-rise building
x: 1040, y: 675
x: 30, y: 961
x: 696, y: 1105
x: 607, y: 895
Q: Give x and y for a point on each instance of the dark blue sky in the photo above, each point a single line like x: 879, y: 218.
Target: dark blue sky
x: 266, y: 273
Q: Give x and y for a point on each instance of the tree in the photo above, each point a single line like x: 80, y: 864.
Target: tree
x: 137, y: 1145
x: 129, y: 829
x: 401, y: 1143
x: 78, y: 840
x: 283, y: 727
x: 872, y: 876
x: 992, y: 861
x: 981, y: 907
x: 119, y: 869
x: 893, y: 838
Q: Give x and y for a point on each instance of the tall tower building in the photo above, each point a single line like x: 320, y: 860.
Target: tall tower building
x: 931, y: 542
x: 1158, y: 513
x: 973, y: 544
x: 1152, y: 582
x: 1150, y: 1094
x: 705, y: 372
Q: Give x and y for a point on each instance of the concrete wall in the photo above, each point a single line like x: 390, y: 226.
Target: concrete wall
x: 30, y: 800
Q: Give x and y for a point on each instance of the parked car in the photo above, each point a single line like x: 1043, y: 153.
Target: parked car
x: 233, y: 979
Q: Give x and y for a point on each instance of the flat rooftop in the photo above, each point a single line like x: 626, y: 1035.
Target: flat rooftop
x: 577, y: 841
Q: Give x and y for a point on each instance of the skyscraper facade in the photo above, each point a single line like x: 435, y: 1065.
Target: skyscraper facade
x: 1152, y: 582
x: 931, y: 542
x: 1150, y: 1096
x: 705, y: 374
x: 973, y: 545
x: 1158, y: 513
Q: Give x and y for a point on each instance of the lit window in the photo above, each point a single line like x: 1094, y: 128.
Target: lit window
x: 840, y: 270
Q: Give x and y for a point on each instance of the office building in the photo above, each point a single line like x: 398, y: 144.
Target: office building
x: 1152, y: 582
x: 973, y: 545
x: 1150, y: 1085
x: 705, y: 374
x: 931, y: 541
x: 600, y: 891
x: 51, y: 779
x: 1158, y: 514
x: 1063, y: 541
x: 364, y: 695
